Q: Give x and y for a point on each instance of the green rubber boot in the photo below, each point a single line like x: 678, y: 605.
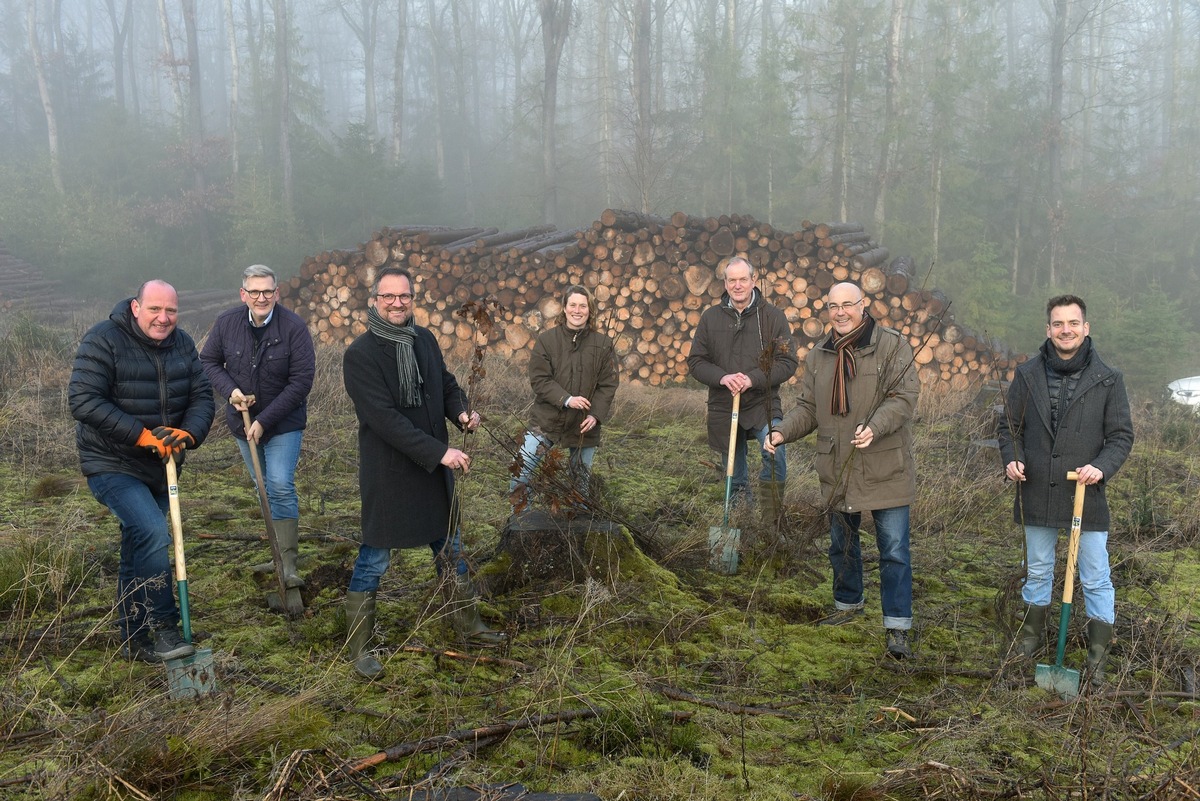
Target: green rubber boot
x: 360, y: 625
x: 1099, y: 636
x: 1032, y: 637
x: 464, y: 611
x: 287, y: 532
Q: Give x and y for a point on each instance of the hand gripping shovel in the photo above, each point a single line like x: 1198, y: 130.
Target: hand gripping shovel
x: 190, y: 676
x: 723, y: 541
x: 292, y: 603
x: 1057, y: 678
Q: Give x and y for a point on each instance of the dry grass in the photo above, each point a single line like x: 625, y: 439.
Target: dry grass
x: 834, y: 719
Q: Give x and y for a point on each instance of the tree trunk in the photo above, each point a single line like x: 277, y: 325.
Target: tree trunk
x: 168, y: 55
x: 39, y: 68
x: 1054, y: 138
x: 890, y: 123
x: 364, y: 24
x: 841, y: 152
x: 196, y: 137
x: 258, y: 93
x: 465, y: 125
x: 234, y: 82
x: 607, y: 100
x: 643, y: 85
x: 283, y: 88
x: 120, y: 30
x: 131, y: 60
x: 398, y: 83
x: 435, y: 66
x: 556, y: 20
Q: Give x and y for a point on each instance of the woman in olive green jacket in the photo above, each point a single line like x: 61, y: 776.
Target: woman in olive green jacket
x: 573, y: 372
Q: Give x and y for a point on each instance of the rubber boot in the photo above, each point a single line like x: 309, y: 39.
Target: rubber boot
x: 1099, y: 636
x: 771, y: 501
x: 287, y: 532
x: 360, y: 625
x: 464, y: 612
x: 1032, y: 636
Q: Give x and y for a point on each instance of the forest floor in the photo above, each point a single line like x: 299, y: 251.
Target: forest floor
x: 632, y: 672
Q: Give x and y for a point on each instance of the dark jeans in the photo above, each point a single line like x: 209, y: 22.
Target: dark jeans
x: 895, y: 563
x: 373, y: 562
x: 145, y: 598
x: 774, y: 468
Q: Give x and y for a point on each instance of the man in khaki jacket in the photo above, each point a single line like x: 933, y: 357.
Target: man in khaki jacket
x: 859, y: 393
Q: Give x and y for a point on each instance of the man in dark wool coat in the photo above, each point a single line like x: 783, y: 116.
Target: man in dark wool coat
x: 403, y: 395
x: 1066, y: 410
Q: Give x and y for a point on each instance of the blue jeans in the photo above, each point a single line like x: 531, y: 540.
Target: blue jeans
x: 145, y: 599
x: 1094, y: 579
x: 278, y: 459
x: 895, y: 563
x: 534, y: 447
x: 373, y: 562
x: 774, y: 468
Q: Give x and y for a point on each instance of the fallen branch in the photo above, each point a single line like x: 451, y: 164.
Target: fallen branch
x: 13, y: 737
x: 480, y: 658
x: 676, y: 694
x: 459, y: 755
x: 495, y: 730
x: 440, y: 741
x: 289, y: 770
x: 203, y: 535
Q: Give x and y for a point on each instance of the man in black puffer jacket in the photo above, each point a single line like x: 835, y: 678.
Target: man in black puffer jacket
x: 139, y: 394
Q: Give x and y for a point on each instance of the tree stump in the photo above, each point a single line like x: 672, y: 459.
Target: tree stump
x: 537, y: 548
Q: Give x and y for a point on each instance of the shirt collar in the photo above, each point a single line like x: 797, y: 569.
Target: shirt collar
x: 265, y: 322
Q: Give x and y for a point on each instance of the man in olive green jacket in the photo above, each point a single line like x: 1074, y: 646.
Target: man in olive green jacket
x: 859, y: 393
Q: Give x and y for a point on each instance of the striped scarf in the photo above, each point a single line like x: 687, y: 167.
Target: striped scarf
x: 406, y: 358
x: 843, y: 366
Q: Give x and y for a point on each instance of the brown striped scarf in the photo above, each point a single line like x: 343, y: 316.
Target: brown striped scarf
x: 843, y: 366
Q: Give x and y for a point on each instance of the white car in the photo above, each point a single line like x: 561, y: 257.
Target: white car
x: 1186, y: 390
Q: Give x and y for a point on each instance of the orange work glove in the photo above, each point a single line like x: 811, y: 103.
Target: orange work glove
x: 176, y: 439
x: 155, y: 445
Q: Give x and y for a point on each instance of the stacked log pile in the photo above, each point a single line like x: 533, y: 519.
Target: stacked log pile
x: 652, y: 278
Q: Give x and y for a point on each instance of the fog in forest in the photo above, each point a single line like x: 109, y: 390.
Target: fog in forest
x: 1014, y: 149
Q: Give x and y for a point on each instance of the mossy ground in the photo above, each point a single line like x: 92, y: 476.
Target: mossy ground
x: 782, y: 707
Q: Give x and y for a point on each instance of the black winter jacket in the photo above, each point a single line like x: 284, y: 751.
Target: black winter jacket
x: 123, y: 383
x: 277, y: 369
x: 1095, y: 428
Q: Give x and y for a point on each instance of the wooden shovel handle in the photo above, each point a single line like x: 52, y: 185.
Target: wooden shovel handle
x: 181, y: 582
x: 1073, y: 542
x: 733, y: 426
x: 264, y: 504
x: 176, y: 519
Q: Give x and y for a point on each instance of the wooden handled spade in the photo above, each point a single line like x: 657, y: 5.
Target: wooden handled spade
x: 288, y: 599
x: 1057, y: 678
x: 189, y: 676
x: 723, y: 541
